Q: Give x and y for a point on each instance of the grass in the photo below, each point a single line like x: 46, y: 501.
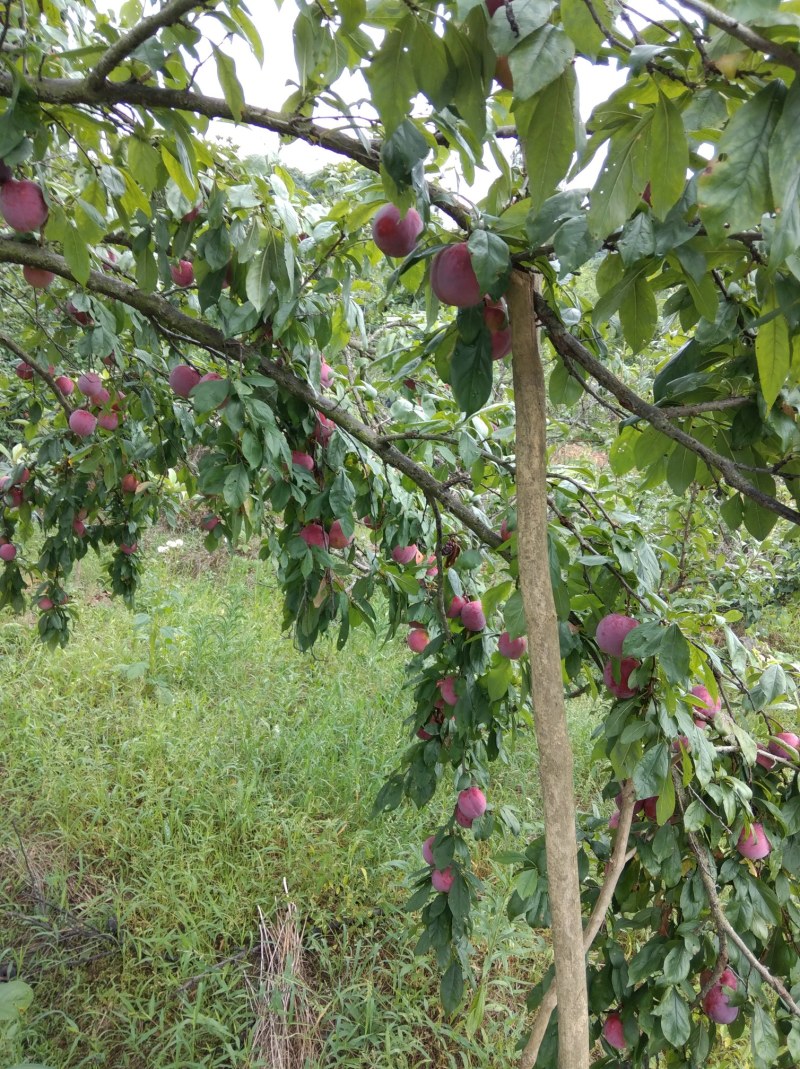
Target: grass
x: 174, y: 771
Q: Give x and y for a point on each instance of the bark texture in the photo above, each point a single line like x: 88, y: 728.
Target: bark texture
x: 555, y: 753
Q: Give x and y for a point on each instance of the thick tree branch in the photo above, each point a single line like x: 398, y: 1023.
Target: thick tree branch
x: 570, y: 349
x: 169, y: 14
x: 70, y: 91
x: 616, y: 865
x: 200, y: 333
x: 754, y: 41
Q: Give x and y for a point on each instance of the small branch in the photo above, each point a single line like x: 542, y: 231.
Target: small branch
x: 754, y: 41
x: 720, y: 405
x: 567, y: 345
x: 41, y: 371
x: 619, y: 857
x: 437, y: 517
x: 725, y: 929
x: 169, y: 14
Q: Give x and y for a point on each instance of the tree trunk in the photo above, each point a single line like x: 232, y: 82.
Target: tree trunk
x: 555, y: 753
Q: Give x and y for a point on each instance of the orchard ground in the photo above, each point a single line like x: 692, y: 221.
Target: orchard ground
x: 170, y: 770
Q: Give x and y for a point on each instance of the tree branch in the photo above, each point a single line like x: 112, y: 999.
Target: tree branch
x: 40, y: 370
x: 208, y: 337
x: 619, y: 857
x: 169, y: 14
x: 722, y: 924
x: 569, y: 348
x: 754, y: 41
x: 70, y: 91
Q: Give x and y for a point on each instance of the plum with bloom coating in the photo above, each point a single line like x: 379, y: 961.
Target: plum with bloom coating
x: 453, y: 277
x: 396, y: 235
x: 715, y: 1002
x: 611, y: 632
x: 442, y: 879
x: 755, y: 845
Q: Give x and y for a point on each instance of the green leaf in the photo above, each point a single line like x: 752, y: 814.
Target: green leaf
x: 231, y: 87
x: 681, y: 469
x: 432, y: 70
x: 539, y: 60
x: 669, y: 157
x: 764, y: 1039
x: 578, y: 22
x: 514, y: 615
x: 638, y: 313
x: 143, y: 162
x: 471, y: 372
x: 259, y: 276
x: 452, y: 987
x: 784, y: 176
x: 528, y: 18
x: 207, y: 396
x: 182, y: 178
x: 773, y: 350
x: 673, y: 654
x: 622, y: 180
x: 15, y: 997
x: 458, y: 897
x: 390, y: 76
x: 252, y: 450
x: 491, y: 261
x: 546, y: 128
x: 236, y: 487
x: 76, y: 253
x: 734, y: 191
x: 674, y: 1014
x: 403, y: 152
x: 651, y: 771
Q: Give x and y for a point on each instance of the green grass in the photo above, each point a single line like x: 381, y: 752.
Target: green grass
x: 171, y: 772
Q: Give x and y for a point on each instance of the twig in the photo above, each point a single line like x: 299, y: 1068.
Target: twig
x: 754, y: 41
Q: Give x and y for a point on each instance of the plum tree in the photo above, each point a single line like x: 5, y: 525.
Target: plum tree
x: 666, y: 295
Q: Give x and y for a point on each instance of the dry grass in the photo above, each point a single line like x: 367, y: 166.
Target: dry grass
x: 286, y: 1033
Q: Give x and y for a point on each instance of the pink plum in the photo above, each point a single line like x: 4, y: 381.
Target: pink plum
x: 472, y: 616
x: 313, y: 534
x: 65, y: 384
x: 442, y: 879
x: 513, y: 648
x: 337, y: 539
x: 324, y: 429
x: 396, y: 235
x: 755, y: 845
x: 37, y: 277
x: 472, y: 803
x: 302, y: 460
x: 620, y: 689
x: 417, y: 639
x: 447, y: 688
x: 715, y: 1002
x: 24, y: 371
x: 613, y: 1032
x: 89, y: 383
x: 611, y: 632
x: 456, y: 605
x: 182, y: 273
x: 404, y: 554
x: 82, y: 423
x: 453, y: 277
x: 706, y: 707
x: 8, y: 551
x: 183, y: 379
x: 128, y: 548
x: 22, y: 205
x: 427, y: 850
